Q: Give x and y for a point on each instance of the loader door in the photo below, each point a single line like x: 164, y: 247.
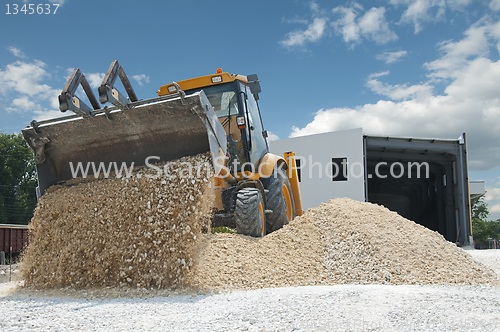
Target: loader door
x: 255, y: 129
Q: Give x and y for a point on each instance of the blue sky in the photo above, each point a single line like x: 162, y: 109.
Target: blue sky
x: 422, y: 68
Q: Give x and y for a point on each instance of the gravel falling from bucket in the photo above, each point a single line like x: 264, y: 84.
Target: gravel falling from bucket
x: 136, y: 232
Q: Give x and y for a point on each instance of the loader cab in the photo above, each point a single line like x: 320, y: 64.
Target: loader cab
x: 237, y: 109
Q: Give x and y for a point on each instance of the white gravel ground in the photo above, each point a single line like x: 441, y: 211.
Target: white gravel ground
x: 320, y: 308
x: 315, y: 308
x: 490, y: 258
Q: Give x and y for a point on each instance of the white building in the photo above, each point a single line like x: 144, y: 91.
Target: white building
x: 425, y: 180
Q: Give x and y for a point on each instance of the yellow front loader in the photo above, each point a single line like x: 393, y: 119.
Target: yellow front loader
x: 257, y: 192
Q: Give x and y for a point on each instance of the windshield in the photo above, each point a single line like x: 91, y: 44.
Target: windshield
x: 222, y: 97
x: 224, y: 100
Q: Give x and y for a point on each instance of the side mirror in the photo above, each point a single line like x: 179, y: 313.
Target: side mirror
x: 254, y: 85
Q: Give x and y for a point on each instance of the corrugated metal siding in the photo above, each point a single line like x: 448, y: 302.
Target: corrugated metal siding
x: 18, y: 236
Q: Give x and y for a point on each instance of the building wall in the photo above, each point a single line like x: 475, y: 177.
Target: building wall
x: 316, y: 184
x: 440, y: 205
x: 476, y: 188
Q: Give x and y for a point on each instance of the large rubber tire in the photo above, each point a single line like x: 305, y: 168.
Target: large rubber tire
x: 280, y: 200
x: 249, y: 212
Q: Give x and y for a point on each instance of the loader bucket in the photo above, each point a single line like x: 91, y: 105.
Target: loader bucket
x: 167, y: 129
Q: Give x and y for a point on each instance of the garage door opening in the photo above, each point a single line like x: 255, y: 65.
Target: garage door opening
x: 424, y: 180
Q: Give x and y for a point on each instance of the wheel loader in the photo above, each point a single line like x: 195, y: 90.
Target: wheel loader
x: 256, y: 192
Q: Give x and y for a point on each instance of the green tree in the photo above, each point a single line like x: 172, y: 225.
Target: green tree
x: 479, y: 208
x: 17, y: 180
x: 482, y: 230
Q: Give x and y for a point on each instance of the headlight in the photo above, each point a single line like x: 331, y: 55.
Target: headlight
x: 216, y: 79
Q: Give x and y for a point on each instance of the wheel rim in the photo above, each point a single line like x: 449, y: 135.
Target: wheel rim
x: 288, y: 199
x: 262, y: 215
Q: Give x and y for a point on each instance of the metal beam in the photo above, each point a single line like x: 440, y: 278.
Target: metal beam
x: 448, y: 146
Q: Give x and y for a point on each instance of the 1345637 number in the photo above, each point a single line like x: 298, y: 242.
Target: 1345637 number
x: 31, y: 9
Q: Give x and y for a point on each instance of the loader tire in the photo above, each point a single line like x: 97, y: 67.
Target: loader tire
x: 249, y: 212
x: 280, y: 200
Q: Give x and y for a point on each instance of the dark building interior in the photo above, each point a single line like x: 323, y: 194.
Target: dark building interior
x: 424, y: 180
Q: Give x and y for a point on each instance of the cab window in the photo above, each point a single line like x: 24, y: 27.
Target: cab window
x: 224, y: 100
x: 255, y: 129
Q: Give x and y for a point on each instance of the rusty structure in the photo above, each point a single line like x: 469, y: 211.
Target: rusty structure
x: 13, y: 238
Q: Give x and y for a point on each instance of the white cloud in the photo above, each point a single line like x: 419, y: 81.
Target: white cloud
x: 17, y: 52
x: 376, y: 75
x: 492, y: 194
x: 492, y: 198
x: 391, y: 57
x: 313, y: 33
x: 371, y: 25
x: 53, y: 99
x: 458, y: 4
x: 22, y: 90
x: 456, y: 54
x: 495, y: 208
x: 495, y: 5
x: 95, y: 79
x: 441, y: 116
x: 479, y: 79
x: 347, y: 25
x: 271, y: 136
x: 49, y: 114
x: 141, y: 78
x: 295, y: 20
x: 399, y: 91
x: 22, y: 104
x: 355, y: 23
x: 314, y: 7
x: 24, y: 78
x: 384, y: 117
x: 422, y: 11
x: 470, y: 103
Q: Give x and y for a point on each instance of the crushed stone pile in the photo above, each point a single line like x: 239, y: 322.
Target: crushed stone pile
x: 367, y: 243
x: 339, y: 242
x: 121, y: 232
x: 140, y: 233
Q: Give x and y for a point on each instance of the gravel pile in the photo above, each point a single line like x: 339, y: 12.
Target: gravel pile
x: 366, y: 243
x: 121, y: 232
x: 142, y: 233
x: 292, y: 256
x: 341, y: 242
